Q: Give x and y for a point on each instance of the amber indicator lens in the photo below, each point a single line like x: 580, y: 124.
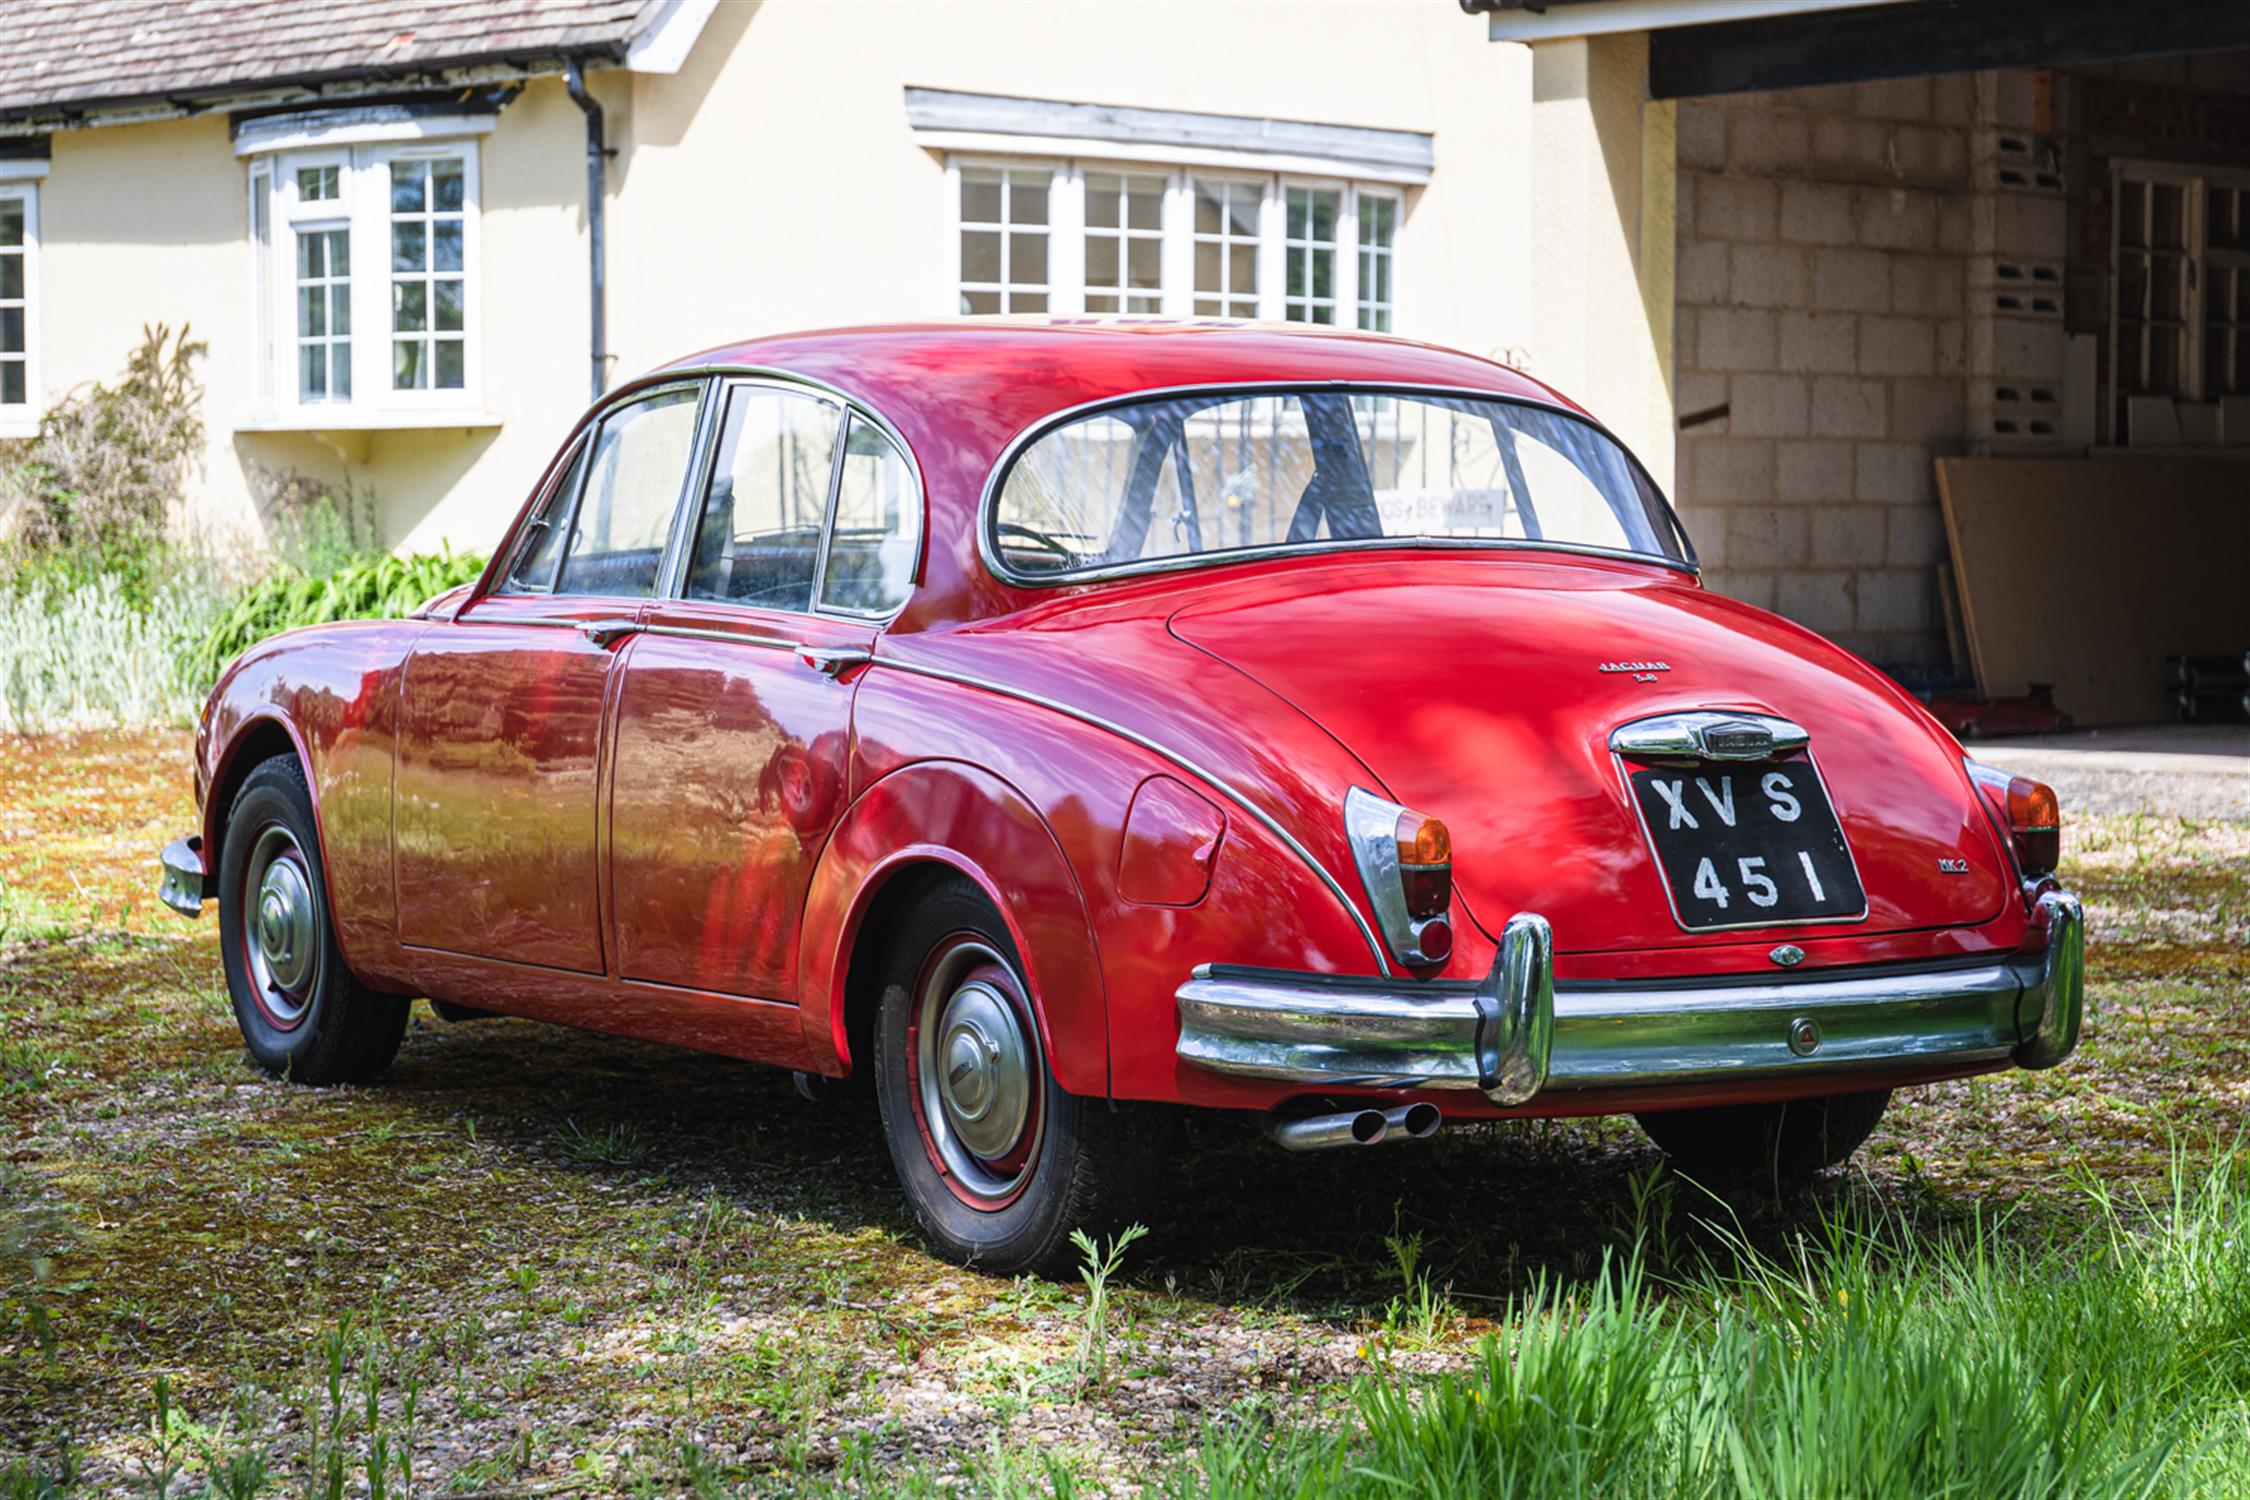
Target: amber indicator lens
x: 1425, y: 864
x: 2035, y: 823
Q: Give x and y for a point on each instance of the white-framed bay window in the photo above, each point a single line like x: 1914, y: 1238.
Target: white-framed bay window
x: 367, y: 283
x: 1088, y: 235
x: 19, y: 305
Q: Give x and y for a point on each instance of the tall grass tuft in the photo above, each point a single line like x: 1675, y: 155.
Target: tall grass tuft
x: 88, y: 656
x: 2112, y: 1360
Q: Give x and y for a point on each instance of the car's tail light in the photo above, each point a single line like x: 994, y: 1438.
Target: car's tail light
x: 1406, y: 862
x: 2027, y: 812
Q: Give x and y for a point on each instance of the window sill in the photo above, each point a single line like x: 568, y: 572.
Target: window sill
x: 345, y: 419
x: 13, y: 427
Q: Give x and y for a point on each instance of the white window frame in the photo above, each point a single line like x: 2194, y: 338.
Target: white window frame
x: 1066, y: 222
x: 21, y: 419
x: 363, y: 208
x: 2197, y: 256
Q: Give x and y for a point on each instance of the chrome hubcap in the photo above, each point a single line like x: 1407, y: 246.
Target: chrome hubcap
x: 978, y: 1068
x: 985, y: 1087
x: 281, y: 921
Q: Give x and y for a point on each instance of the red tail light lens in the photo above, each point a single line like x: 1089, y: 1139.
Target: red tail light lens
x: 2028, y: 811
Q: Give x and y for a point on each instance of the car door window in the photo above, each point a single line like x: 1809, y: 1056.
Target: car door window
x: 878, y: 527
x: 632, y: 487
x: 540, y: 547
x: 758, y: 540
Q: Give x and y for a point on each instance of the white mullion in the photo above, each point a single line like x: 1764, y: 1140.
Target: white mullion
x: 1179, y: 246
x: 370, y: 236
x: 1273, y: 226
x: 950, y: 216
x: 1066, y: 239
x: 1346, y: 282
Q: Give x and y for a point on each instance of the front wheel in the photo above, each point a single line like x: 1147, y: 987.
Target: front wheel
x: 302, y: 1013
x: 998, y: 1162
x: 1784, y: 1143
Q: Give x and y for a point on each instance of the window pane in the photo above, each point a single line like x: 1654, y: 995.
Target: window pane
x: 533, y: 571
x: 1317, y: 466
x: 1103, y: 192
x: 12, y: 391
x: 11, y: 275
x: 449, y: 178
x: 409, y: 247
x: 11, y: 221
x: 312, y: 371
x: 312, y: 312
x: 11, y: 330
x: 447, y: 305
x: 410, y: 312
x: 1144, y: 264
x: 1101, y: 260
x: 1027, y: 259
x: 407, y: 180
x: 980, y: 197
x: 878, y: 527
x: 632, y: 487
x: 408, y: 371
x: 980, y: 255
x: 973, y: 303
x: 316, y: 184
x: 445, y: 246
x: 1027, y: 198
x: 758, y: 541
x: 451, y: 361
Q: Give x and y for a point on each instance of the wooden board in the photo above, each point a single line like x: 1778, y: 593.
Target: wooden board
x: 2088, y: 572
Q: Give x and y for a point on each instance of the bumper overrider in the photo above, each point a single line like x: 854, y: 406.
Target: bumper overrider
x: 1517, y: 1035
x: 184, y: 886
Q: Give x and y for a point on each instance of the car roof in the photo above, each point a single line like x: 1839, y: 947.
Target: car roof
x: 1032, y: 367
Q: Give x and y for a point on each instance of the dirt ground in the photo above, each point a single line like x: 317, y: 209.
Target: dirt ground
x: 535, y: 1261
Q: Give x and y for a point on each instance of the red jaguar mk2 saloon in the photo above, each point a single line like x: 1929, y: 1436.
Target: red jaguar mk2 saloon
x: 1048, y: 722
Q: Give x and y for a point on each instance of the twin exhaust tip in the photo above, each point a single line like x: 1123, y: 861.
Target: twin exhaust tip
x: 1356, y: 1127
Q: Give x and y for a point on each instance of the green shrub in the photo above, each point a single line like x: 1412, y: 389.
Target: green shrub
x: 89, y: 496
x: 369, y: 589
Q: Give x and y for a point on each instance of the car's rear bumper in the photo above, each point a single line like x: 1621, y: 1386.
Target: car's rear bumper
x: 184, y: 885
x: 1518, y: 1034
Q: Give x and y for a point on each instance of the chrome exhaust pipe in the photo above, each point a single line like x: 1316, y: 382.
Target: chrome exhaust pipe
x: 1356, y: 1127
x: 1412, y: 1122
x: 1353, y: 1127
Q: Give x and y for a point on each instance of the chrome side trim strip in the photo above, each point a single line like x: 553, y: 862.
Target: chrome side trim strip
x: 1264, y: 820
x: 1328, y: 1032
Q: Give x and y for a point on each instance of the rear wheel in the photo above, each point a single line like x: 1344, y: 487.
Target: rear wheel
x: 998, y: 1162
x: 1784, y: 1143
x: 302, y: 1013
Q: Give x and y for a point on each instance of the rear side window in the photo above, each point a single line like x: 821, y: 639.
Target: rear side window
x: 758, y: 540
x: 878, y: 527
x: 632, y: 486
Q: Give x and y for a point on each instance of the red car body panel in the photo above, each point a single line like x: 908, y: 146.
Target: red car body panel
x: 684, y: 838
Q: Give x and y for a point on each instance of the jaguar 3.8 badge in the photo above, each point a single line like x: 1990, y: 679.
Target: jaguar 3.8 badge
x: 1059, y: 726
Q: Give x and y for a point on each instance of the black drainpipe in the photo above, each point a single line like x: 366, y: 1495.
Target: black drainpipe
x: 597, y: 164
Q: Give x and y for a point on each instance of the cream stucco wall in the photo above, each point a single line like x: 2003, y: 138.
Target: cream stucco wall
x: 774, y: 183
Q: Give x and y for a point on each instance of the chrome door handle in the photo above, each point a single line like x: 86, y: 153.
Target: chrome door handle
x: 608, y: 632
x: 834, y: 663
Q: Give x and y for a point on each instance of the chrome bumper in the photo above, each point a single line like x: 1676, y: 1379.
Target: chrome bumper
x: 185, y: 886
x: 1515, y: 1035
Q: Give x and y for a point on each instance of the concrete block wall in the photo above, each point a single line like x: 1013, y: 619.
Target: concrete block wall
x: 1826, y: 241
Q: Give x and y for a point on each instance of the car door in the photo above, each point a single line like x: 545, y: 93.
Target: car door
x: 497, y: 813
x: 734, y: 704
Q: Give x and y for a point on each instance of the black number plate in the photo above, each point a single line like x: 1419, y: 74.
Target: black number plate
x: 1748, y: 844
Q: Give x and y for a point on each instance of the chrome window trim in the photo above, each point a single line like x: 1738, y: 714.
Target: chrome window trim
x: 987, y: 517
x: 1257, y: 813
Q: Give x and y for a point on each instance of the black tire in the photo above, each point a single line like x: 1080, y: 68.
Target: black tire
x: 1783, y: 1144
x: 303, y: 1014
x: 1074, y: 1163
